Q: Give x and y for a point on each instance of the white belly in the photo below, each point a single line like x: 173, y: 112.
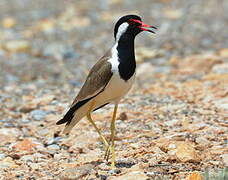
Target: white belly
x: 114, y: 90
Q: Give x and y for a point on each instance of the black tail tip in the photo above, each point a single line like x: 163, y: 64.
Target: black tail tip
x: 61, y: 121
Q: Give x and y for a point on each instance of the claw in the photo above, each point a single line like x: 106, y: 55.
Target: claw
x: 107, y: 153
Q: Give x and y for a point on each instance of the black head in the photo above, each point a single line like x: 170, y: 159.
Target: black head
x: 131, y: 25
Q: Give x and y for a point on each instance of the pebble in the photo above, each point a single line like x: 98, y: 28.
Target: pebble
x: 2, y: 156
x: 60, y: 51
x: 133, y: 175
x: 8, y: 22
x: 114, y: 171
x: 38, y: 115
x: 222, y: 104
x: 220, y: 68
x: 76, y: 172
x: 53, y: 147
x: 27, y: 158
x: 43, y: 132
x: 54, y: 140
x: 225, y: 159
x: 34, y: 166
x: 186, y: 153
x: 172, y: 107
x: 202, y: 141
x: 17, y: 46
x: 7, y: 163
x: 58, y: 156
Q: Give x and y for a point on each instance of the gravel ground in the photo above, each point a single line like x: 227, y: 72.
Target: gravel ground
x: 172, y: 125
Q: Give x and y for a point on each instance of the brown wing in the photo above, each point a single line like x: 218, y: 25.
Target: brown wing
x: 96, y: 81
x: 98, y: 78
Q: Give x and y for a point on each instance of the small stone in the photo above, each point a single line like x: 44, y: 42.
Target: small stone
x: 202, y: 141
x: 43, y: 132
x: 76, y: 172
x: 2, y: 156
x: 34, y: 166
x: 172, y: 146
x: 220, y: 68
x: 45, y: 100
x: 7, y: 163
x: 38, y: 115
x: 25, y: 145
x: 123, y: 116
x: 172, y: 122
x: 113, y: 171
x: 134, y: 175
x: 135, y: 145
x: 27, y: 158
x: 216, y: 163
x: 57, y: 156
x: 173, y: 13
x: 223, y: 52
x: 172, y: 107
x: 222, y: 104
x: 186, y: 153
x: 53, y: 147
x: 9, y: 135
x: 46, y: 25
x: 225, y: 159
x: 17, y: 46
x: 27, y: 107
x: 8, y: 22
x: 172, y: 152
x: 194, y: 176
x: 53, y: 140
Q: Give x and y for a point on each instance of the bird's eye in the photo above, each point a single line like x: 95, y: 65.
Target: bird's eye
x: 131, y: 22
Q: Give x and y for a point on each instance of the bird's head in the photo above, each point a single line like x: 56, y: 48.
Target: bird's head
x: 131, y: 25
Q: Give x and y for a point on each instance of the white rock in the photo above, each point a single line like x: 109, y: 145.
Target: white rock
x: 2, y: 156
x: 225, y: 159
x: 27, y: 158
x: 53, y: 147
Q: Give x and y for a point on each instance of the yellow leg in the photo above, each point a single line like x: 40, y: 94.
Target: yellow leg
x: 94, y: 125
x: 98, y: 131
x: 113, y: 136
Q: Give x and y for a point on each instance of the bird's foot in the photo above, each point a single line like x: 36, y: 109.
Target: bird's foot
x: 107, y: 152
x: 110, y: 150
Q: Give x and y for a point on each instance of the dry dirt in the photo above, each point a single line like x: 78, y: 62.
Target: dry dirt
x: 172, y: 125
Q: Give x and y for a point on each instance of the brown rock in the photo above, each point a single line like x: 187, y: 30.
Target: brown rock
x: 25, y: 145
x: 194, y: 176
x: 186, y: 153
x: 123, y: 116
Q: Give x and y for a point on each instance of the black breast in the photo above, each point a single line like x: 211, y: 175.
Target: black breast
x: 126, y: 57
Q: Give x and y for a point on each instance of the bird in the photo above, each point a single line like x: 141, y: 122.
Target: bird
x: 108, y: 80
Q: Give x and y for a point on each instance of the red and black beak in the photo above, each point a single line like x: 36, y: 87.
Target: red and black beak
x: 145, y: 27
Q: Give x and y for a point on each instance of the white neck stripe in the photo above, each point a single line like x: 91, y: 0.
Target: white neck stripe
x: 121, y: 30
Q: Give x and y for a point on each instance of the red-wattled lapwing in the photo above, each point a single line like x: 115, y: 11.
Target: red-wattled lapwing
x: 109, y: 79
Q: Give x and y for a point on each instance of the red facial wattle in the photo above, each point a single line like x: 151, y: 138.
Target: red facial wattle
x: 143, y: 26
